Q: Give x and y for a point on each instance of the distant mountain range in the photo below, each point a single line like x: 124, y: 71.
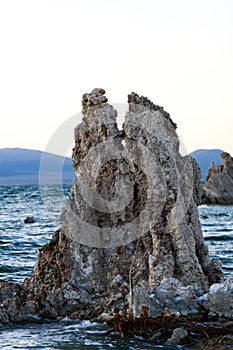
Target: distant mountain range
x: 22, y: 166
x: 204, y: 158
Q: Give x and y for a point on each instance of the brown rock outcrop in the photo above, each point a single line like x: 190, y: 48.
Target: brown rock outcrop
x: 218, y: 186
x: 131, y: 220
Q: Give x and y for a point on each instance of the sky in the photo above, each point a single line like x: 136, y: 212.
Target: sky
x: 178, y: 53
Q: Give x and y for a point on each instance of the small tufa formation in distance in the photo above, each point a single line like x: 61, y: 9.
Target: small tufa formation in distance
x: 218, y: 186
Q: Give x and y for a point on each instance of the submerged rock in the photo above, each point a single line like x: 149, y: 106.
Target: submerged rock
x: 29, y: 220
x: 131, y: 228
x: 218, y: 186
x: 224, y: 342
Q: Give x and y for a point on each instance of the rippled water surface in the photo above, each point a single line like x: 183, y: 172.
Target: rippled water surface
x: 19, y: 241
x: 18, y: 245
x: 67, y: 335
x: 217, y: 227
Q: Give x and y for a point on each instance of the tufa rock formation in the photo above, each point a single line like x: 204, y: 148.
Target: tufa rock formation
x: 131, y: 230
x: 218, y: 186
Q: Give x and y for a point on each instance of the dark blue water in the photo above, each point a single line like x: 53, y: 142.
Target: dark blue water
x: 19, y: 241
x: 217, y: 227
x: 18, y: 245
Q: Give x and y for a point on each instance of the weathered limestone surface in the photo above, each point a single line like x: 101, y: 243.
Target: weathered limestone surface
x: 220, y: 299
x: 179, y: 336
x: 132, y: 235
x: 218, y: 187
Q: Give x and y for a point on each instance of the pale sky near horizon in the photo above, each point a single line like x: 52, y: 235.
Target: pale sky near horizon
x: 178, y: 53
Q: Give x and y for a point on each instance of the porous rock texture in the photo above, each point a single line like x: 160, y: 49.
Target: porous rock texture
x: 220, y: 299
x: 218, y: 186
x: 114, y: 250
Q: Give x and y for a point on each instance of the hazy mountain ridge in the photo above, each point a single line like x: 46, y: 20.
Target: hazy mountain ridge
x: 22, y: 166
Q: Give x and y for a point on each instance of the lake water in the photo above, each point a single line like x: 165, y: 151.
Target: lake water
x: 18, y: 245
